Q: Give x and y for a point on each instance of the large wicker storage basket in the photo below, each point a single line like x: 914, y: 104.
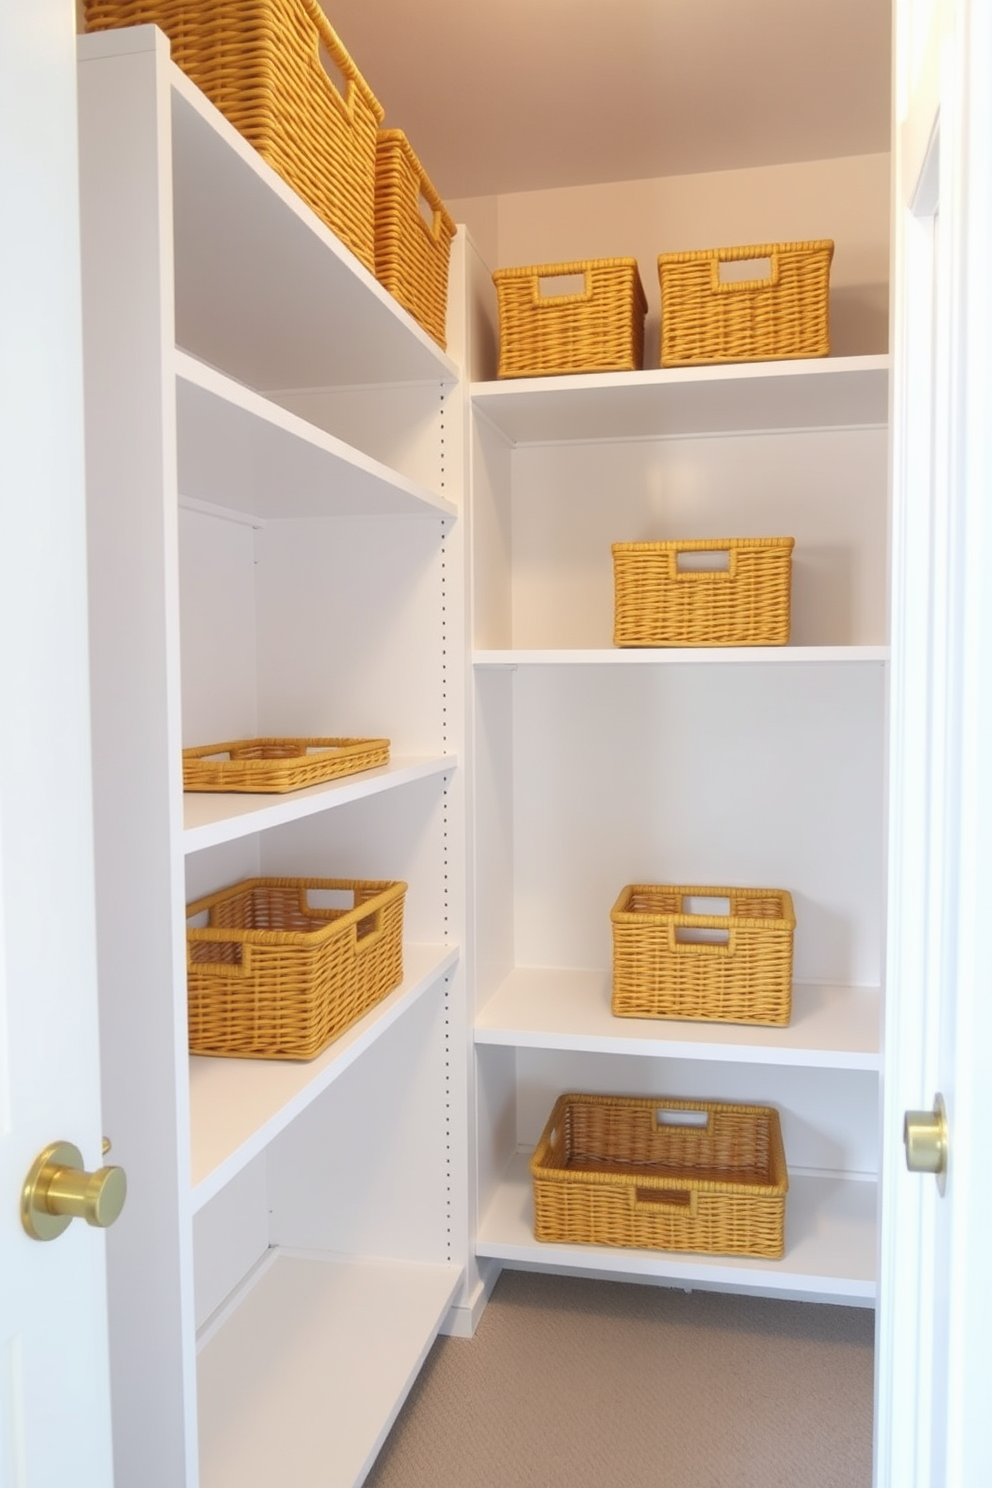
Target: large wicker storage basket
x: 411, y: 255
x: 598, y: 328
x: 782, y: 312
x: 674, y: 958
x: 274, y: 765
x: 658, y: 602
x: 661, y: 1174
x: 273, y: 974
x: 261, y: 65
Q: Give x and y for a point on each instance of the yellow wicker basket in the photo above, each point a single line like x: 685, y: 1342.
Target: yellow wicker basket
x: 676, y: 959
x: 598, y: 328
x: 411, y: 254
x: 661, y: 601
x: 780, y: 313
x: 273, y: 974
x: 262, y: 64
x: 278, y: 764
x: 661, y: 1174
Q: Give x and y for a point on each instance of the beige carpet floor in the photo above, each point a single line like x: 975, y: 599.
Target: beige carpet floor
x: 571, y: 1383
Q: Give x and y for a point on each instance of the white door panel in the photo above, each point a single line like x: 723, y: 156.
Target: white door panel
x: 54, y: 1391
x: 935, y: 1296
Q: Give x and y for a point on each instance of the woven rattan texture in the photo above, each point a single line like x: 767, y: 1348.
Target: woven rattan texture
x: 260, y: 64
x: 411, y: 256
x: 600, y: 329
x: 745, y: 976
x: 781, y: 316
x: 276, y: 765
x: 656, y: 603
x: 607, y: 1172
x: 272, y: 977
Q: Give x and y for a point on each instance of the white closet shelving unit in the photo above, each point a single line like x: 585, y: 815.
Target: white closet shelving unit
x: 597, y: 767
x: 274, y: 467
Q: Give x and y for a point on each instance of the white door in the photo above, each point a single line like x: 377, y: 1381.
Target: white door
x: 935, y: 1302
x: 54, y: 1379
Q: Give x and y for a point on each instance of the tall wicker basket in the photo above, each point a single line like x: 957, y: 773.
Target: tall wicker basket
x: 674, y: 959
x: 781, y: 313
x: 411, y: 254
x: 273, y: 975
x: 261, y: 65
x: 661, y: 1174
x: 597, y: 328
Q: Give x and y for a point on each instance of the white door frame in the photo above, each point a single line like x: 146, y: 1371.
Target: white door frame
x: 934, y: 1338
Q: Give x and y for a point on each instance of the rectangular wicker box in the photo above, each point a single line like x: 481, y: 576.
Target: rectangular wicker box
x: 781, y: 313
x: 674, y: 959
x: 657, y: 602
x: 272, y: 974
x: 411, y: 255
x: 599, y: 328
x: 661, y: 1174
x: 262, y: 65
x: 277, y: 765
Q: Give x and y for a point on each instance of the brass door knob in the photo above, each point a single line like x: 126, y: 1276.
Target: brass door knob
x: 925, y: 1137
x: 58, y: 1190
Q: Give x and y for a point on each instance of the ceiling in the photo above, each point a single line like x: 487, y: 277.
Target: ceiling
x: 519, y: 95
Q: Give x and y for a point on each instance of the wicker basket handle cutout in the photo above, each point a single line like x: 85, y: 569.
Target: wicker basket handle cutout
x: 666, y: 1198
x: 693, y: 564
x: 337, y: 72
x: 701, y: 940
x: 544, y: 301
x: 737, y: 285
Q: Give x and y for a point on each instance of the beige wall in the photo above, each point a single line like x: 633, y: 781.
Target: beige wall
x: 846, y: 200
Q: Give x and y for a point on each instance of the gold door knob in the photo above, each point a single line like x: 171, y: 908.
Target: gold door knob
x: 58, y: 1190
x: 925, y: 1137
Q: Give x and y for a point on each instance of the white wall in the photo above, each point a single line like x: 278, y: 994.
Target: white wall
x: 846, y: 200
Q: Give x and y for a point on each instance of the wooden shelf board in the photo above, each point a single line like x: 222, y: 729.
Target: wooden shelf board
x: 830, y: 1244
x: 240, y: 451
x: 209, y: 819
x: 821, y: 393
x: 539, y: 1008
x: 684, y: 656
x: 305, y: 1376
x: 237, y: 1106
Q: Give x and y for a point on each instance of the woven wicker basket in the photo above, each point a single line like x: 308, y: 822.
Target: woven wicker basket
x: 784, y: 313
x: 271, y: 975
x: 597, y: 329
x: 672, y: 961
x: 278, y: 764
x: 657, y: 602
x: 411, y: 255
x: 662, y: 1175
x: 261, y: 65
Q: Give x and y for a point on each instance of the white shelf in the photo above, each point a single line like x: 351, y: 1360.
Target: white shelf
x: 824, y: 393
x: 237, y: 1106
x: 538, y: 1008
x: 303, y: 1379
x: 239, y: 451
x: 830, y: 1238
x: 684, y: 656
x: 209, y: 818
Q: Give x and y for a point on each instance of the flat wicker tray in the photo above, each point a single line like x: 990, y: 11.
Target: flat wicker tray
x: 599, y: 328
x: 657, y: 602
x: 672, y: 961
x: 782, y: 313
x: 274, y: 974
x: 632, y: 1171
x: 412, y: 256
x: 278, y: 765
x: 262, y: 64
